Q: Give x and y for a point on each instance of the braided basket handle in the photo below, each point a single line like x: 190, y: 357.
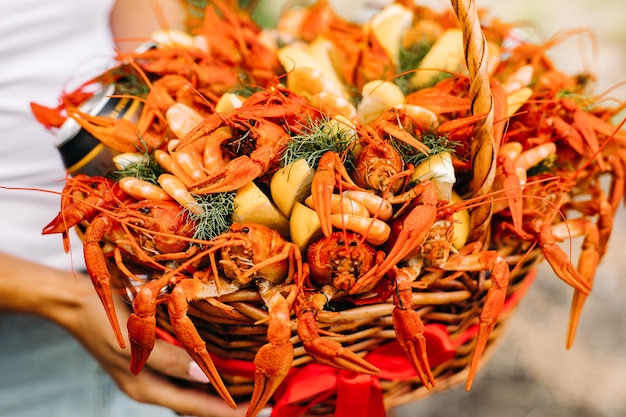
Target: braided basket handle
x: 483, y: 147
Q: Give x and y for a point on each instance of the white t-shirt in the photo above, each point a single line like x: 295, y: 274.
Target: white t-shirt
x: 46, y: 47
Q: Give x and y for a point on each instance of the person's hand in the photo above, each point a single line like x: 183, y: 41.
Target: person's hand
x: 154, y: 384
x: 71, y: 301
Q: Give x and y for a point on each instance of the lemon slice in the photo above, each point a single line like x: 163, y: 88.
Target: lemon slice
x: 228, y: 102
x: 439, y: 169
x: 173, y: 38
x: 304, y: 226
x: 290, y: 184
x: 252, y: 205
x: 314, y: 56
x: 446, y: 54
x: 461, y: 224
x: 517, y: 99
x: 378, y: 96
x: 388, y: 26
x: 126, y: 160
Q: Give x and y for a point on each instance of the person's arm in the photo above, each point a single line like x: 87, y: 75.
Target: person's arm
x: 133, y: 21
x: 71, y: 302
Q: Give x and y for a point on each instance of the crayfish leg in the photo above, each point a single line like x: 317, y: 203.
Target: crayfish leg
x: 274, y: 359
x: 187, y: 334
x: 99, y: 272
x: 587, y: 264
x: 409, y: 328
x: 494, y: 302
x: 328, y: 351
x: 141, y: 329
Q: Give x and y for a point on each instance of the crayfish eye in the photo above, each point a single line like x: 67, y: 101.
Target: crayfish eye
x: 354, y: 243
x: 245, y: 229
x: 145, y: 210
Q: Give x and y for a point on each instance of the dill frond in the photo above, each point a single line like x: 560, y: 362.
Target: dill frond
x: 216, y: 217
x: 147, y: 169
x: 318, y: 138
x: 126, y: 80
x: 436, y: 143
x: 408, y: 60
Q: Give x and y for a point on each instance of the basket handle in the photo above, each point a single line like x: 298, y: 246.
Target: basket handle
x: 483, y: 146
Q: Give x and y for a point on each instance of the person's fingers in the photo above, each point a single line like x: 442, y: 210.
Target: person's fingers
x: 174, y: 361
x: 155, y: 389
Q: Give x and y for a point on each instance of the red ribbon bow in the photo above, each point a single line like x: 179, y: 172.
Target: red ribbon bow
x: 357, y: 394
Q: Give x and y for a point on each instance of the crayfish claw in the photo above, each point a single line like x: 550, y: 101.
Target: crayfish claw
x: 141, y: 329
x: 328, y: 351
x: 332, y: 353
x: 273, y: 363
x: 409, y: 327
x: 274, y: 359
x: 494, y: 302
x: 410, y: 334
x: 187, y: 334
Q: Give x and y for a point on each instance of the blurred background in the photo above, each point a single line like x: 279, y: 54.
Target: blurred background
x: 532, y: 374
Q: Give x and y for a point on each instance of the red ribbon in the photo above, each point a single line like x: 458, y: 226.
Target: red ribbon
x: 357, y: 395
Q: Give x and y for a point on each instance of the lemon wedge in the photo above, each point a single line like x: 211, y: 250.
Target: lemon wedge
x: 388, y: 26
x: 173, y: 38
x: 461, y: 224
x: 314, y: 56
x: 228, y: 102
x: 304, y: 226
x: 252, y: 205
x: 446, y: 54
x: 378, y: 96
x: 291, y: 184
x: 439, y: 169
x: 517, y: 99
x: 126, y: 160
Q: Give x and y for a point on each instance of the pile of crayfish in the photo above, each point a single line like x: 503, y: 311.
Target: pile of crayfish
x: 358, y: 140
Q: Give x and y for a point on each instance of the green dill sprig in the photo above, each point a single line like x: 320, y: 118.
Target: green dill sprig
x: 126, y: 80
x: 147, y: 169
x: 216, y: 217
x: 435, y: 142
x: 408, y: 60
x: 318, y: 138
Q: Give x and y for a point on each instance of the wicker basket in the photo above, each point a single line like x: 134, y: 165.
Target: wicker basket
x: 449, y: 308
x: 448, y: 302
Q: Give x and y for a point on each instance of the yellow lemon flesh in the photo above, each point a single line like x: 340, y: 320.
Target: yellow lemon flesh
x: 252, y: 205
x: 304, y: 226
x: 388, y: 26
x: 439, y: 169
x: 461, y: 224
x: 445, y: 55
x: 291, y: 184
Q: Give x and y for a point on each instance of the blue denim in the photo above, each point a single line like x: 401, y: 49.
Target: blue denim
x: 46, y: 373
